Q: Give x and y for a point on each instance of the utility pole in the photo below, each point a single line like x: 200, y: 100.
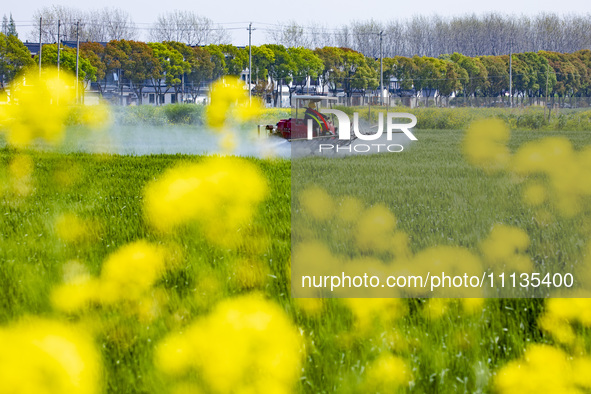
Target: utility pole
x: 59, y: 23
x: 40, y: 43
x: 511, y: 75
x: 546, y: 105
x: 249, y: 63
x: 77, y: 58
x: 381, y: 72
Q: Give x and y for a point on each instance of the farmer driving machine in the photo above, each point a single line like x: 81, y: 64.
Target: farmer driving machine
x: 305, y: 110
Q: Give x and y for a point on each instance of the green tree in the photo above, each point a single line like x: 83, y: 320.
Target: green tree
x: 95, y: 53
x: 366, y: 76
x: 307, y: 65
x: 332, y: 59
x: 477, y: 75
x: 281, y: 68
x: 86, y: 71
x: 218, y: 59
x: 452, y: 79
x: 136, y: 63
x: 584, y: 57
x: 262, y: 58
x: 352, y: 61
x: 172, y: 67
x: 404, y: 70
x: 568, y: 79
x: 14, y: 56
x: 431, y: 72
x: 201, y: 66
x: 498, y: 76
x: 234, y: 59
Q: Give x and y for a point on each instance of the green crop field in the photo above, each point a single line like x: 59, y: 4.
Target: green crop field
x: 366, y: 345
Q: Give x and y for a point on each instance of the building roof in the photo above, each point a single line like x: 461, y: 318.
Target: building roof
x: 33, y: 47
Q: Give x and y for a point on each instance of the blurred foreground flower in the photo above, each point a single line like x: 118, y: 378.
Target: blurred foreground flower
x: 220, y: 194
x: 565, y: 169
x: 375, y: 313
x: 41, y: 356
x: 39, y: 107
x: 229, y: 103
x: 246, y: 345
x: 18, y: 180
x: 127, y: 275
x: 42, y: 105
x: 485, y: 144
x: 552, y: 158
x: 544, y: 369
x: 504, y: 249
x: 562, y: 314
x: 387, y: 374
x: 230, y: 107
x: 73, y: 229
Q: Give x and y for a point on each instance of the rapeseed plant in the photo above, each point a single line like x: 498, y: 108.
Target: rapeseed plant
x: 127, y: 276
x: 505, y: 247
x: 387, y: 373
x: 485, y: 144
x: 245, y: 345
x: 41, y: 356
x: 39, y: 108
x: 221, y: 194
x: 544, y: 369
x: 229, y: 108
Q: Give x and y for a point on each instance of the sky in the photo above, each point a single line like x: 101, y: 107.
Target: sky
x: 235, y: 15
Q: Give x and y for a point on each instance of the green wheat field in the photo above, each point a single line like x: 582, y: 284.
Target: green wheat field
x: 437, y: 197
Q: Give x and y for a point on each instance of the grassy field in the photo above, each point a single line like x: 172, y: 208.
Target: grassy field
x: 529, y: 118
x: 438, y: 199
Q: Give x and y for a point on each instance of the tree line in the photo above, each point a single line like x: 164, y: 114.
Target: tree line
x: 472, y: 35
x: 490, y: 33
x: 107, y: 24
x: 175, y: 66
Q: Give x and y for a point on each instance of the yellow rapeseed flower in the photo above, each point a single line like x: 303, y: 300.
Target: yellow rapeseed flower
x: 45, y: 357
x: 39, y: 107
x: 311, y: 307
x: 249, y: 273
x: 387, y: 374
x: 562, y: 314
x: 375, y: 313
x: 485, y: 144
x: 73, y: 229
x: 230, y: 104
x: 435, y: 308
x: 131, y: 271
x: 564, y: 168
x: 350, y: 209
x: 20, y: 175
x: 450, y: 260
x: 220, y: 193
x: 535, y: 194
x: 78, y: 289
x: 543, y: 369
x: 472, y: 305
x: 375, y: 229
x: 127, y: 275
x: 246, y: 345
x: 505, y: 247
x: 317, y: 203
